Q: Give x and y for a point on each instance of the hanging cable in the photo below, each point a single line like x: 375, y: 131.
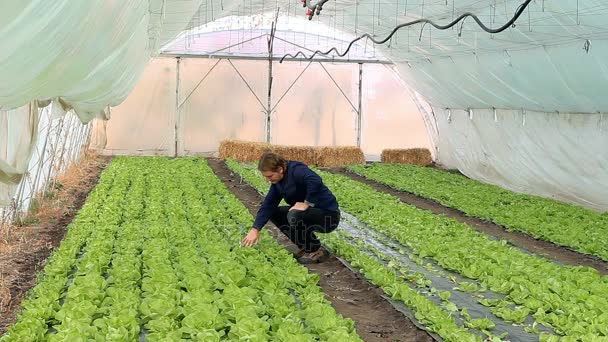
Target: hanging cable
x: 508, y: 24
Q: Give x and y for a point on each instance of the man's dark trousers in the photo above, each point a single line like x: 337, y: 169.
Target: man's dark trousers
x: 300, y: 226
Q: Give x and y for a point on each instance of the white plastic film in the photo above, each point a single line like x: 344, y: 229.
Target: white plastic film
x: 89, y: 54
x: 314, y: 112
x: 145, y: 122
x: 391, y: 116
x: 216, y: 104
x: 560, y: 156
x: 18, y: 135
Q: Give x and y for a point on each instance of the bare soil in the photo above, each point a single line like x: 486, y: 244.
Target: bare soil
x: 25, y: 248
x: 546, y: 249
x: 350, y: 294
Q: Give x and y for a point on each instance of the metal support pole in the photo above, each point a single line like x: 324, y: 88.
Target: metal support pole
x: 270, y: 49
x: 41, y: 156
x: 20, y: 190
x: 54, y: 153
x: 268, y: 116
x: 177, y: 116
x: 277, y: 58
x: 70, y: 147
x: 78, y: 144
x: 359, y: 112
x: 74, y: 144
x: 85, y: 139
x: 87, y: 142
x: 62, y: 152
x: 18, y: 199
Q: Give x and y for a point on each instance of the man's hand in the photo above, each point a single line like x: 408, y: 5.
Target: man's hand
x: 251, y: 238
x: 299, y: 206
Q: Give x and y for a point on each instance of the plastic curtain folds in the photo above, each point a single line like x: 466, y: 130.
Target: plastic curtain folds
x: 89, y: 53
x: 18, y: 135
x: 560, y: 156
x: 84, y: 56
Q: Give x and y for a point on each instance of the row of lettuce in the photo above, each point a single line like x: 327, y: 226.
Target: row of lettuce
x: 570, y: 300
x: 568, y: 225
x: 155, y: 254
x: 393, y: 282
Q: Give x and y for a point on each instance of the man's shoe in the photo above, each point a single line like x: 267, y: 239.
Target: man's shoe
x: 317, y: 256
x: 299, y: 253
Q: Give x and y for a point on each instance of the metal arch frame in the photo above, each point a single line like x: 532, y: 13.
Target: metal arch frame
x: 275, y: 58
x: 178, y: 106
x: 269, y: 108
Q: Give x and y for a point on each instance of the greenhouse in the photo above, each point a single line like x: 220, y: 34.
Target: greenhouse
x: 303, y: 170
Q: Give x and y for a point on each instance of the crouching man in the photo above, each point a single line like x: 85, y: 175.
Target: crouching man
x: 312, y: 207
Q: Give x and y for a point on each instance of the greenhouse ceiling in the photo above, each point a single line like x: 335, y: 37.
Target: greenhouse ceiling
x: 91, y: 55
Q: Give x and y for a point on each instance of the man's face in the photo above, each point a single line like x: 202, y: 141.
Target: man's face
x: 273, y: 176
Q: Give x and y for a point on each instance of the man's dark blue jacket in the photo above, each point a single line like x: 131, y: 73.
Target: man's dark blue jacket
x: 299, y: 184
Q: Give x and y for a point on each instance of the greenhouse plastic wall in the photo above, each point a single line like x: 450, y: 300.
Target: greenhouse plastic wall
x: 58, y: 142
x: 145, y: 122
x: 216, y: 102
x: 220, y: 106
x: 556, y: 155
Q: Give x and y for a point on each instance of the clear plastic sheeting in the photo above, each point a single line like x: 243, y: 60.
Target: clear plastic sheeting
x: 538, y: 78
x: 59, y: 142
x: 19, y: 130
x: 89, y: 54
x: 18, y: 136
x: 246, y: 36
x: 392, y: 115
x: 556, y: 155
x: 227, y: 99
x: 71, y: 37
x: 315, y: 112
x: 168, y: 18
x: 145, y: 122
x: 99, y: 139
x: 221, y: 105
x: 551, y: 62
x: 552, y: 59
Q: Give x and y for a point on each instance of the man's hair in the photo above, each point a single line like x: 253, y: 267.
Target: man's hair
x: 270, y: 161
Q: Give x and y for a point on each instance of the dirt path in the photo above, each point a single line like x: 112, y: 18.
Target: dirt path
x: 24, y: 249
x: 351, y: 295
x: 544, y: 248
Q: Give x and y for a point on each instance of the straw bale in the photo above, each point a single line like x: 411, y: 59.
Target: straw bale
x: 305, y: 154
x: 324, y: 156
x: 242, y: 151
x: 335, y: 156
x: 417, y: 156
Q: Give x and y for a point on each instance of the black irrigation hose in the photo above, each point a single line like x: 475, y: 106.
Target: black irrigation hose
x: 517, y: 14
